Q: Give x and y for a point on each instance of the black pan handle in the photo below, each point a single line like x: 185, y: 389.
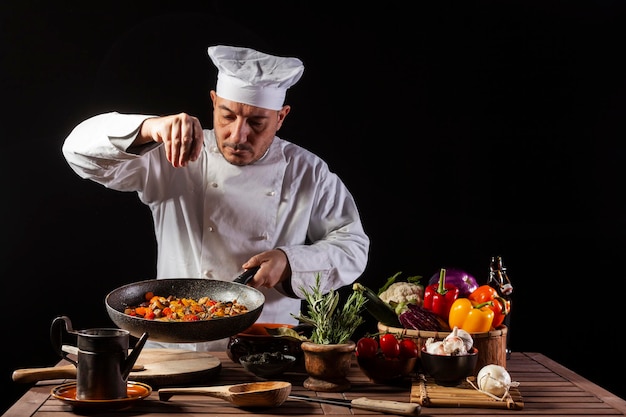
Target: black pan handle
x: 247, y: 275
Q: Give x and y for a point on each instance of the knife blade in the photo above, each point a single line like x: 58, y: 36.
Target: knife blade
x: 363, y: 403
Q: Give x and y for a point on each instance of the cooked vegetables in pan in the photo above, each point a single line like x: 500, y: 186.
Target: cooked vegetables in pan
x: 184, y: 309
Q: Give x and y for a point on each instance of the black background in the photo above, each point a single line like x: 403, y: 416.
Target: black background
x: 464, y: 130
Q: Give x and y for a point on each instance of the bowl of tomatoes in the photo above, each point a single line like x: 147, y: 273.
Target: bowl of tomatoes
x: 386, y: 358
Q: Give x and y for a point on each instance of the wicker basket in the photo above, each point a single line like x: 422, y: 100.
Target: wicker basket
x: 491, y: 345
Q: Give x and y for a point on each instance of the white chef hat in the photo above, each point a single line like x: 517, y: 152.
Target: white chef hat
x: 252, y: 77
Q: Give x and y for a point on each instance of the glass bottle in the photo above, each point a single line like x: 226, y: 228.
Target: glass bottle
x: 499, y: 280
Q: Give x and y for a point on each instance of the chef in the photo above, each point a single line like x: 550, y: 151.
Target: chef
x: 234, y: 197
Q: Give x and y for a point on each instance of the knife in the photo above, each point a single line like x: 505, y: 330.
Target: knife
x: 29, y: 375
x: 382, y: 406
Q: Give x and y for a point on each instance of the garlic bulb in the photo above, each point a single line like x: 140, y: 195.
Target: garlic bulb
x: 467, y: 338
x: 458, y: 342
x: 434, y: 347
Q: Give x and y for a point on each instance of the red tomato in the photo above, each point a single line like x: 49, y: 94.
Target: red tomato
x: 366, y: 347
x: 408, y: 348
x: 390, y: 345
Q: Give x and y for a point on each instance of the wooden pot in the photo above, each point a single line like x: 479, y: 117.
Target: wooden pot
x: 327, y: 366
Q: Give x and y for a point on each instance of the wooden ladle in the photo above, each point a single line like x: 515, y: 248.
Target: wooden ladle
x: 253, y: 394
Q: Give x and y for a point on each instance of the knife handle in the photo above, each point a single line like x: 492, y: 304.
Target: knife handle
x: 387, y: 407
x: 28, y: 375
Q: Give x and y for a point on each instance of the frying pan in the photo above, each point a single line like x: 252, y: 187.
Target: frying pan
x: 186, y: 332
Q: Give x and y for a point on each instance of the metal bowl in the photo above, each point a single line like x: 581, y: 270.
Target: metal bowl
x: 185, y: 332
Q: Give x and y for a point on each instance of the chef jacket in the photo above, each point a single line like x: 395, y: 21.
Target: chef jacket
x: 211, y: 216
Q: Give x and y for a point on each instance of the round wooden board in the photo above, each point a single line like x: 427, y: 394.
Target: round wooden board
x: 168, y: 367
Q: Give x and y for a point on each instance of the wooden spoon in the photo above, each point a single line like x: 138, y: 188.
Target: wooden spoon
x: 253, y: 394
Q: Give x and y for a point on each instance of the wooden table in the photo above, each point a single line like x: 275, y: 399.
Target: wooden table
x: 547, y: 388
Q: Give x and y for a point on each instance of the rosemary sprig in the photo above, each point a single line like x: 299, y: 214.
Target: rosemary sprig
x: 330, y: 324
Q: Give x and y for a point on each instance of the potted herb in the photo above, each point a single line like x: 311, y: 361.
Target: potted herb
x: 328, y: 353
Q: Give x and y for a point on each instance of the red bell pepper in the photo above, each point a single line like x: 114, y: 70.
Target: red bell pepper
x: 438, y: 297
x: 499, y: 305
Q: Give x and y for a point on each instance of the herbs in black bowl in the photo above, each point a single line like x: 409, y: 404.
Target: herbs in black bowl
x: 267, y: 364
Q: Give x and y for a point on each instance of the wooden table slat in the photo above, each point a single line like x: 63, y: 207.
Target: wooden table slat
x: 547, y: 389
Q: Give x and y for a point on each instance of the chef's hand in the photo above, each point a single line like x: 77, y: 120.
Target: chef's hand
x: 181, y: 134
x: 274, y: 268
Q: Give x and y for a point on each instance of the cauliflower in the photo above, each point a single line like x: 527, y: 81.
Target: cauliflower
x: 399, y: 294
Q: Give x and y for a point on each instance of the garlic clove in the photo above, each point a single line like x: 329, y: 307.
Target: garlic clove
x: 435, y: 348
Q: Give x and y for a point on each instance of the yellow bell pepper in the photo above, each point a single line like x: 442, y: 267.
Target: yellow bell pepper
x: 471, y: 316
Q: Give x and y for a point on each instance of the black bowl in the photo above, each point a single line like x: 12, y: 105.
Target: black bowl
x: 449, y: 370
x: 267, y: 364
x: 264, y: 337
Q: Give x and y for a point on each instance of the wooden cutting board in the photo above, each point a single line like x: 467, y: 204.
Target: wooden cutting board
x: 160, y: 368
x: 166, y: 367
x: 427, y: 393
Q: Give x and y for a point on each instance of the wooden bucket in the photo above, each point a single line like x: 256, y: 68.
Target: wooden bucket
x: 491, y: 345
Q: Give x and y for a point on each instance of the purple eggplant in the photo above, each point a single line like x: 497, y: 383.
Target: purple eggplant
x: 465, y: 282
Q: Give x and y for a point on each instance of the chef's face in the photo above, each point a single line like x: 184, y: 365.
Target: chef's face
x: 244, y: 132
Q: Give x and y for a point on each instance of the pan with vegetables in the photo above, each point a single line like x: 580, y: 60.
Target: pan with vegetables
x: 239, y: 307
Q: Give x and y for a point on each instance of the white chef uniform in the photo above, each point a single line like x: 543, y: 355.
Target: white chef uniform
x: 211, y: 216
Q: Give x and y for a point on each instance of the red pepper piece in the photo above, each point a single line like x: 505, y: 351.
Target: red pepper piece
x: 439, y: 297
